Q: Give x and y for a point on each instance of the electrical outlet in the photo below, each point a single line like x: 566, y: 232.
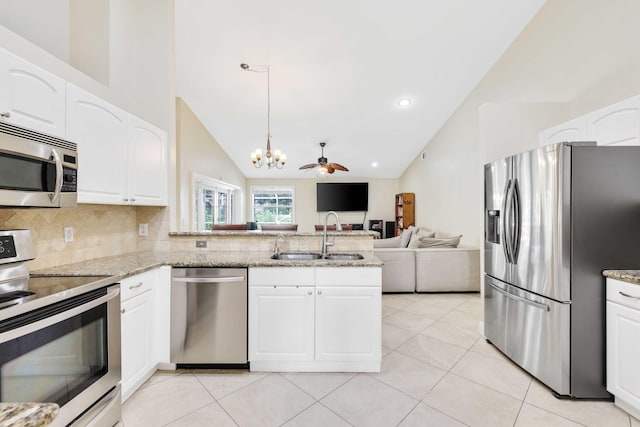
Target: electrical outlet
x: 201, y: 243
x: 68, y: 234
x: 143, y: 230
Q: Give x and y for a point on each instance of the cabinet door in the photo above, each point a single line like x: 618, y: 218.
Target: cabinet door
x: 138, y: 352
x: 348, y: 325
x: 573, y: 130
x: 30, y: 96
x: 281, y: 323
x: 617, y: 124
x: 148, y: 164
x: 100, y: 130
x: 623, y: 348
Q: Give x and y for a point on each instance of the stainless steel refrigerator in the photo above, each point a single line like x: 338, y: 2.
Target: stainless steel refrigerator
x: 555, y: 217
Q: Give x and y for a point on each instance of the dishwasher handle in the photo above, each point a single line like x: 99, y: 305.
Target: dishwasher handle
x: 218, y: 279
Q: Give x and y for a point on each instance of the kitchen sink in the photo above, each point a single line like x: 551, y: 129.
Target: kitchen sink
x: 297, y: 255
x: 343, y: 257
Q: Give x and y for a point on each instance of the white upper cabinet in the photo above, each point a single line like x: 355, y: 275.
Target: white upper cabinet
x: 30, y: 96
x: 122, y: 159
x: 148, y: 164
x: 100, y: 130
x: 618, y: 124
x: 573, y: 130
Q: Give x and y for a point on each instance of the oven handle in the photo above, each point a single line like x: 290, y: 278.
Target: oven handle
x: 55, y: 196
x: 520, y: 299
x: 41, y: 324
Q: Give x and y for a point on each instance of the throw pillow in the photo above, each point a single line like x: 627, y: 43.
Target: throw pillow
x: 432, y: 242
x: 415, y: 237
x: 405, y: 237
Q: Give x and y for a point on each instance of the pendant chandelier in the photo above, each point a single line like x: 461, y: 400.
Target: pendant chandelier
x: 276, y: 158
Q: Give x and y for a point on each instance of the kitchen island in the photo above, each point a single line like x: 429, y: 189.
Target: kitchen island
x: 303, y: 315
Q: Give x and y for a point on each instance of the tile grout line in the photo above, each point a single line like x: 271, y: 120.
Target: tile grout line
x: 216, y: 400
x: 314, y: 399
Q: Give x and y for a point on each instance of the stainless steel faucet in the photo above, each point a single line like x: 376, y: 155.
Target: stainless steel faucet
x: 326, y: 244
x: 276, y: 251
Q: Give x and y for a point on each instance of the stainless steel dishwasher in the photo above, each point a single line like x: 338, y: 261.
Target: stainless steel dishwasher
x: 209, y: 317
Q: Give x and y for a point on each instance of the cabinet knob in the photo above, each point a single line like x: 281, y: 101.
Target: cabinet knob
x: 309, y: 292
x: 126, y: 200
x: 319, y: 292
x: 122, y: 311
x: 133, y: 200
x: 5, y: 114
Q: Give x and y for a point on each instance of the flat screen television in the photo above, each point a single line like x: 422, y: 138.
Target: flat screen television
x: 342, y: 196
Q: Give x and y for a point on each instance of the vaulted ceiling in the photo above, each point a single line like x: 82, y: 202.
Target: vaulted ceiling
x: 338, y: 69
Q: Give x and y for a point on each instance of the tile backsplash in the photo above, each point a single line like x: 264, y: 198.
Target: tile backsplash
x: 99, y: 231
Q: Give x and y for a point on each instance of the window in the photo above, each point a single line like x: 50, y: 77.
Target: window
x: 272, y: 205
x: 215, y: 203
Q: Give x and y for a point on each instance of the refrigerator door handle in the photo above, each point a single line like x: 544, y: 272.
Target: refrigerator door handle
x: 515, y: 245
x: 506, y: 208
x: 520, y: 299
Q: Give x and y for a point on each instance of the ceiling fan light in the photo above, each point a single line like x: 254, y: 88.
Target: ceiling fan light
x: 322, y: 170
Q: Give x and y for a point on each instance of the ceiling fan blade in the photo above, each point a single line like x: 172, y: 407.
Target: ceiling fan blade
x: 330, y: 168
x: 308, y: 166
x: 339, y: 167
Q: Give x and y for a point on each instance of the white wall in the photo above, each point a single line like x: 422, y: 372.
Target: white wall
x: 197, y: 151
x: 581, y: 53
x: 42, y: 22
x: 381, y: 201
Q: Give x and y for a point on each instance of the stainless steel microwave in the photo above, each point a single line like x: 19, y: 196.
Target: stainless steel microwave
x: 36, y: 170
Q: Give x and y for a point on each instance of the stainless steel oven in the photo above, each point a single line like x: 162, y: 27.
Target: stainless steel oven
x: 62, y: 342
x: 68, y: 353
x: 36, y: 170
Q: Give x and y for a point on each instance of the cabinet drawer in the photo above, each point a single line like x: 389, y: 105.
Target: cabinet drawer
x: 627, y: 294
x: 135, y: 285
x: 282, y: 276
x: 349, y: 276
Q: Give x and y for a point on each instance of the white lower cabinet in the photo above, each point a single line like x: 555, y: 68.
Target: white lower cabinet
x: 138, y: 330
x: 315, y: 319
x: 623, y: 344
x: 282, y: 319
x: 348, y: 323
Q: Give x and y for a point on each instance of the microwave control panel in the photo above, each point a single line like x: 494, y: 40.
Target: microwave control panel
x: 69, y: 180
x: 7, y: 247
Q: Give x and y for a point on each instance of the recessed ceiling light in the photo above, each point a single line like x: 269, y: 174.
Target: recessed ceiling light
x: 404, y: 102
x: 374, y: 164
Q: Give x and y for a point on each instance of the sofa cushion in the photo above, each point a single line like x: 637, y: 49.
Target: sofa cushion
x: 393, y: 242
x: 417, y: 234
x: 433, y: 242
x: 405, y: 238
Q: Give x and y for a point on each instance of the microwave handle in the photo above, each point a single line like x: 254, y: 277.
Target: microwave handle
x: 55, y: 196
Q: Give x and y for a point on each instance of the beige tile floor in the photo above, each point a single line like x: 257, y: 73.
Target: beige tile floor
x: 436, y: 371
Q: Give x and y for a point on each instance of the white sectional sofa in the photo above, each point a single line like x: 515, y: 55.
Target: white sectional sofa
x: 431, y: 269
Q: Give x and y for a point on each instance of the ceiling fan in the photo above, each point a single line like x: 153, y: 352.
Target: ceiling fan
x: 325, y: 166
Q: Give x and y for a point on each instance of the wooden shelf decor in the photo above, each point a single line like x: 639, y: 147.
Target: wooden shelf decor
x: 405, y: 211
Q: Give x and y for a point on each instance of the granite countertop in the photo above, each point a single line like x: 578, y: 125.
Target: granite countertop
x: 631, y: 276
x: 27, y: 414
x: 253, y: 233
x: 138, y: 262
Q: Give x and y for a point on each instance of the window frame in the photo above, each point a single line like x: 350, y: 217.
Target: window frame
x: 273, y: 189
x: 234, y: 211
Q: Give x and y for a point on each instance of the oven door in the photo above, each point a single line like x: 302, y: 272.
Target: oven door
x: 68, y: 353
